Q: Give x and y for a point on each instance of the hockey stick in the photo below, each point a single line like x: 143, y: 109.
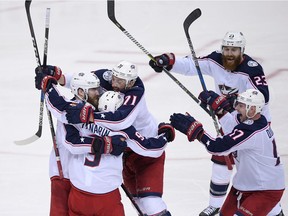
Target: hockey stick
x: 111, y: 15
x: 187, y: 22
x: 129, y: 195
x: 50, y: 120
x: 38, y: 134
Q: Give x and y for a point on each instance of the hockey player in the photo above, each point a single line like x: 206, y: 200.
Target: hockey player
x: 233, y: 72
x: 152, y: 147
x: 138, y: 169
x: 259, y: 181
x: 84, y: 87
x: 81, y: 173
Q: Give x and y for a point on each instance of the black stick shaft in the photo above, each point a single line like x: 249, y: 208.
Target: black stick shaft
x: 51, y: 125
x: 187, y: 22
x: 38, y: 61
x: 35, y: 46
x: 128, y: 194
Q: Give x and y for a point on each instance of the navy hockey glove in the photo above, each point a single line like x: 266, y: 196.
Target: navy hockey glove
x: 218, y: 102
x: 114, y: 145
x: 79, y: 113
x: 166, y: 60
x: 231, y: 98
x: 50, y: 70
x: 167, y: 130
x: 44, y: 82
x: 187, y: 125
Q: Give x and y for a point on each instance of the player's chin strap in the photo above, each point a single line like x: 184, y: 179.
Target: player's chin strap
x: 86, y: 97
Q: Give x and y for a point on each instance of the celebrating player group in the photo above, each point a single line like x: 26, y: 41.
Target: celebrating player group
x: 107, y: 139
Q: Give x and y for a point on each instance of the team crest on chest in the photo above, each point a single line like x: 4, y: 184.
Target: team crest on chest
x: 226, y: 90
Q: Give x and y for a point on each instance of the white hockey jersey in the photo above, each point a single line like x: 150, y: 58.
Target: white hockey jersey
x: 134, y: 110
x: 249, y: 74
x: 79, y: 164
x: 253, y: 146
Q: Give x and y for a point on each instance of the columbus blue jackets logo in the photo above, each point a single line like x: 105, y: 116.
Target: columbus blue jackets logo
x: 226, y: 90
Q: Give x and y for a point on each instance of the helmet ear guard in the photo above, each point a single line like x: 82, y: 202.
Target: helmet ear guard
x: 110, y: 101
x: 234, y: 39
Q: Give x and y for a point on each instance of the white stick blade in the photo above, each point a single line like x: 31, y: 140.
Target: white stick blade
x: 27, y: 141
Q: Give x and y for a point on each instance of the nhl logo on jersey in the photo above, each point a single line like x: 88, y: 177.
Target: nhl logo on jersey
x: 252, y: 64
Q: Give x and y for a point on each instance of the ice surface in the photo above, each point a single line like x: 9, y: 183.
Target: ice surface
x: 82, y: 38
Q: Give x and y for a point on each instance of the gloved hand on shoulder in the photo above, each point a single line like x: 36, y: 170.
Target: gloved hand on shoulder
x: 80, y: 113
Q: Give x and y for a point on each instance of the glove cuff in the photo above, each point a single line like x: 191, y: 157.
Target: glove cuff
x: 171, y: 58
x: 108, y: 147
x: 167, y: 130
x: 47, y: 82
x: 85, y: 113
x: 217, y: 102
x: 194, y: 130
x: 57, y: 72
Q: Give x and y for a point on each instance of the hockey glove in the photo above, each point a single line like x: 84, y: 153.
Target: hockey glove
x: 231, y: 98
x: 218, y: 102
x: 187, y: 125
x: 44, y: 82
x: 167, y: 130
x: 79, y: 113
x: 50, y: 70
x: 114, y: 145
x: 166, y: 60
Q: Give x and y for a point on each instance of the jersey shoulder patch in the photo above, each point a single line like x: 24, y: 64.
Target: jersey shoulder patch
x: 107, y: 75
x: 252, y: 63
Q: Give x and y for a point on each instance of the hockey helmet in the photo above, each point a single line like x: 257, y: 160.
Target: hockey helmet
x: 234, y: 39
x: 84, y: 81
x: 110, y: 101
x: 252, y: 97
x: 125, y: 70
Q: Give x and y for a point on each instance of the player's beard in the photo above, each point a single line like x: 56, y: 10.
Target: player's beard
x: 93, y: 101
x: 230, y: 63
x: 116, y: 89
